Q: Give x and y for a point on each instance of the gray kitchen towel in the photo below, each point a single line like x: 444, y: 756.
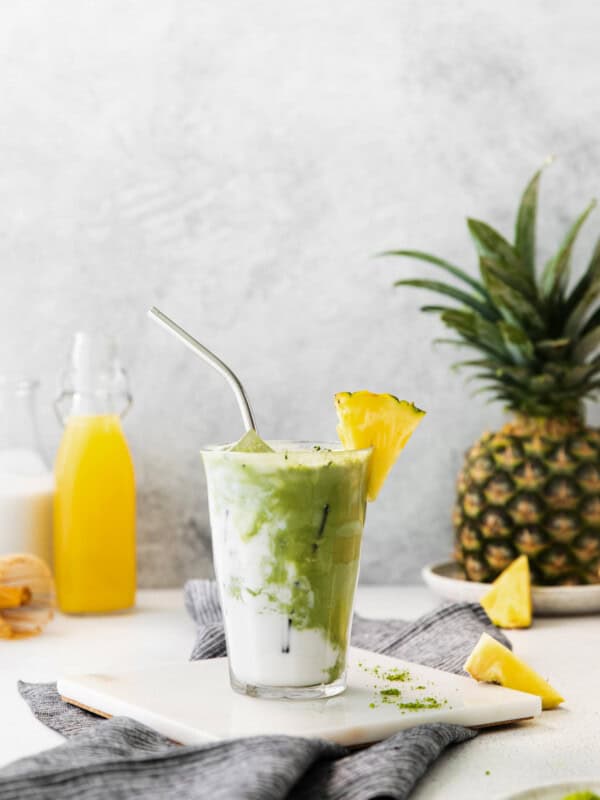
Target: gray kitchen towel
x: 120, y: 758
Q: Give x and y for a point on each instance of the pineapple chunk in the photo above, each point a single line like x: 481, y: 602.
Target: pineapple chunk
x: 490, y: 661
x: 380, y: 421
x: 508, y: 602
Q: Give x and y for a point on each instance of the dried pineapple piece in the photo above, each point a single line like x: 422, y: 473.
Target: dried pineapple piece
x: 26, y: 578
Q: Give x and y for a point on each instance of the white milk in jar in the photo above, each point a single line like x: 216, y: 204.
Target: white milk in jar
x: 26, y: 491
x: 26, y: 482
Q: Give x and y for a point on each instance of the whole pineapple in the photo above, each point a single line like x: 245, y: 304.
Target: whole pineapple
x: 534, y: 486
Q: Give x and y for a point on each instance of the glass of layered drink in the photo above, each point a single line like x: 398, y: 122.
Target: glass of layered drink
x: 287, y: 522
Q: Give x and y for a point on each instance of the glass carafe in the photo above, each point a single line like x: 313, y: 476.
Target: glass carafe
x: 26, y: 483
x: 94, y: 506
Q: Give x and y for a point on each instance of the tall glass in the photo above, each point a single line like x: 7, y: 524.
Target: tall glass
x: 286, y: 530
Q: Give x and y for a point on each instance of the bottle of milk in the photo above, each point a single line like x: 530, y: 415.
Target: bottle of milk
x: 26, y: 482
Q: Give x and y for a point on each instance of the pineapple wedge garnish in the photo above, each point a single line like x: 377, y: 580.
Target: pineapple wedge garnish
x: 380, y: 421
x: 491, y: 662
x: 508, y: 602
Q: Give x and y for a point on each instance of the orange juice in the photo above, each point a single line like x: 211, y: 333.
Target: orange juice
x: 94, y: 516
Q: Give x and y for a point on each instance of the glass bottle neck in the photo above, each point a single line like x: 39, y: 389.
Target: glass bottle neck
x: 94, y: 404
x: 94, y: 382
x: 20, y: 445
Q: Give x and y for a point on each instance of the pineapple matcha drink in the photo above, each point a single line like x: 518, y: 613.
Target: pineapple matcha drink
x: 287, y: 523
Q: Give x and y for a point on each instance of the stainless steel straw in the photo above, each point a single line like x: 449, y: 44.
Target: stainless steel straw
x: 213, y: 360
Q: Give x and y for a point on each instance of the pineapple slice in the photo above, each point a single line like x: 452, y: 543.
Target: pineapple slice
x: 508, y: 602
x: 380, y: 421
x: 490, y: 661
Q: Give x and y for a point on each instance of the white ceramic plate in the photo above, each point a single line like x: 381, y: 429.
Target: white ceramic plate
x: 556, y: 791
x: 447, y: 581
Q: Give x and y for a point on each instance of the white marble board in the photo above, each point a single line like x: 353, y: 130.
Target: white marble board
x: 192, y: 702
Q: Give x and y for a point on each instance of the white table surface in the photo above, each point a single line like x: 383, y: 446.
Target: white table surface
x: 561, y: 745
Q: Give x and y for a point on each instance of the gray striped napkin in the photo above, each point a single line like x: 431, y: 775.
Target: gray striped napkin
x: 120, y: 758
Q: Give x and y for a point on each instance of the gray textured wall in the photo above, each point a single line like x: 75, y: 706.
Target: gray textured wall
x: 238, y: 164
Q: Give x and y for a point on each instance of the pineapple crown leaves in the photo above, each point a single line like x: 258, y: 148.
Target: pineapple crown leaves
x: 539, y: 338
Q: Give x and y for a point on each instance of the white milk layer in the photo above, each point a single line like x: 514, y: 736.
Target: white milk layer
x: 263, y: 648
x: 26, y: 494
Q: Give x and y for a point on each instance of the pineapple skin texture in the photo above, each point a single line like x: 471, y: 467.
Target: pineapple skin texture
x: 532, y: 488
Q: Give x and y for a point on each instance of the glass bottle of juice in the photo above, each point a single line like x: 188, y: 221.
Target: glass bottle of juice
x: 94, y: 502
